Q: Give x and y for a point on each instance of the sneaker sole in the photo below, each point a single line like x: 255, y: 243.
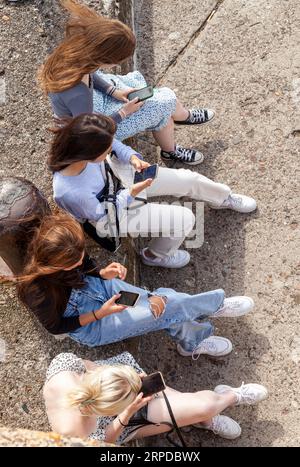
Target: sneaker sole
x: 183, y: 162
x: 165, y: 267
x: 199, y: 427
x: 230, y: 209
x: 200, y: 124
x: 214, y: 357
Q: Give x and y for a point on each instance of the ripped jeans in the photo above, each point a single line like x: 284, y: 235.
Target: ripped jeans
x: 178, y: 319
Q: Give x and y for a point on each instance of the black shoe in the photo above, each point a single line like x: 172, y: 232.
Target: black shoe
x: 187, y: 156
x: 198, y: 117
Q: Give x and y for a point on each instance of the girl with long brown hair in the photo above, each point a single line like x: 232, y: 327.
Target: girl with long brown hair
x: 68, y: 293
x: 71, y: 78
x: 80, y: 161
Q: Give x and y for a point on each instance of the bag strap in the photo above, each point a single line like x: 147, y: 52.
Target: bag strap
x: 176, y: 428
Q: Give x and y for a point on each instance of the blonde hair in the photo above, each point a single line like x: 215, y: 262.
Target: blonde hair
x: 91, y: 41
x: 106, y: 391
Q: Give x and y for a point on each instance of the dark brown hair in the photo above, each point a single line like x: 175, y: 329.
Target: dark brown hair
x: 91, y: 41
x: 83, y: 138
x: 58, y: 243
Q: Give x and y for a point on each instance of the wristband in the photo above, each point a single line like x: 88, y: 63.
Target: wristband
x: 118, y: 418
x: 96, y: 319
x: 112, y: 90
x: 122, y: 113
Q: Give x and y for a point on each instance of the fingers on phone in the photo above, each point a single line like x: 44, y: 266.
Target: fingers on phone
x: 149, y: 181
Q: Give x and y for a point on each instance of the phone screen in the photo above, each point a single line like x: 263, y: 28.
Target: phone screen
x: 152, y: 384
x: 127, y: 298
x: 142, y: 94
x: 149, y: 172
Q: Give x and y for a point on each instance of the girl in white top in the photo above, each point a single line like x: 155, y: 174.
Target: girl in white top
x: 77, y: 156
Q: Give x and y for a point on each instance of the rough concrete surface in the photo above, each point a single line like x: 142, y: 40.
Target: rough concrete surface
x: 244, y: 62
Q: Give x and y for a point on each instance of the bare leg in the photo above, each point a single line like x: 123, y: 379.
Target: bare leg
x: 165, y: 137
x: 181, y: 113
x: 188, y: 409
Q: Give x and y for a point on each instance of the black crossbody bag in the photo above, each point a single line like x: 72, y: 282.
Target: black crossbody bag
x: 108, y: 195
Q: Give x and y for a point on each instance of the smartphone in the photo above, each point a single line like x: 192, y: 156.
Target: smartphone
x: 127, y: 298
x: 149, y: 172
x: 142, y: 94
x: 152, y: 384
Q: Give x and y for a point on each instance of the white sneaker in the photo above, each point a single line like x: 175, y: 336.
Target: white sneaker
x: 234, y: 306
x: 223, y: 426
x: 239, y: 203
x: 178, y: 260
x: 214, y: 346
x: 247, y: 394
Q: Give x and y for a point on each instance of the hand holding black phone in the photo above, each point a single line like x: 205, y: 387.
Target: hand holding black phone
x: 127, y: 298
x: 152, y: 384
x: 142, y: 94
x: 145, y: 174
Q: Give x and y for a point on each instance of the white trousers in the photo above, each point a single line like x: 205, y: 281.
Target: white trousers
x: 172, y: 222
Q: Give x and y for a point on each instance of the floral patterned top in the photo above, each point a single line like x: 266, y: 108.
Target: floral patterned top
x: 70, y: 362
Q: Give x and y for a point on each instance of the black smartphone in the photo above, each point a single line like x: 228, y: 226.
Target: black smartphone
x: 142, y: 94
x: 127, y: 298
x: 149, y: 172
x: 152, y: 384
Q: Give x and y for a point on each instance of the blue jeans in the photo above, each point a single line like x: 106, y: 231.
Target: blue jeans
x: 179, y: 318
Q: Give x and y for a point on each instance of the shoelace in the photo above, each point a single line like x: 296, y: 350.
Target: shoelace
x: 185, y: 154
x: 235, y: 200
x: 230, y: 304
x: 197, y: 115
x: 216, y: 425
x: 242, y: 394
x: 209, y: 345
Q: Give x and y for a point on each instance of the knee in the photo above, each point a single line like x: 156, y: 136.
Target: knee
x: 188, y: 220
x: 157, y: 305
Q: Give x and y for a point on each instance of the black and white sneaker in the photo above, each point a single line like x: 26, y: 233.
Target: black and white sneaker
x: 197, y: 117
x: 187, y: 156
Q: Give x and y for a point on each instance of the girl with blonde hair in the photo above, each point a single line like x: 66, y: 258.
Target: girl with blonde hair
x: 72, y: 79
x: 102, y: 400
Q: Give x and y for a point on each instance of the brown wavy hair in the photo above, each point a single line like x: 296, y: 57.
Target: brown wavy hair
x: 82, y: 138
x: 91, y: 41
x: 57, y: 243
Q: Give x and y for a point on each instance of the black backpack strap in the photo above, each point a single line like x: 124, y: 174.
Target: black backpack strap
x: 105, y: 242
x: 109, y: 195
x: 175, y: 426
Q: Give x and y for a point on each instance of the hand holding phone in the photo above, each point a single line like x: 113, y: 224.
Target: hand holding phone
x: 142, y: 94
x: 152, y: 384
x: 145, y: 174
x: 131, y: 106
x: 111, y: 306
x: 139, y: 187
x: 128, y: 299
